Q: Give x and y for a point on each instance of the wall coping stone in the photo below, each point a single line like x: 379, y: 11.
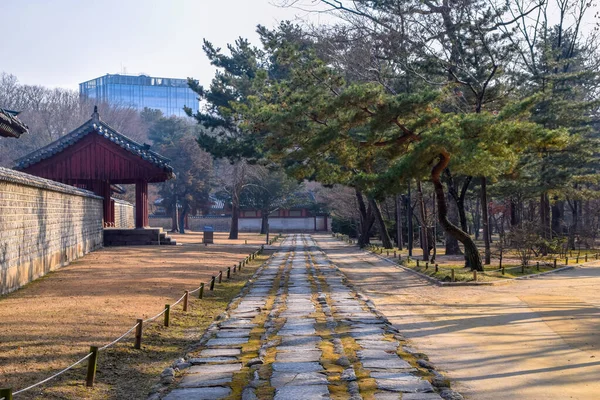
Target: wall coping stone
x: 123, y: 202
x: 21, y: 178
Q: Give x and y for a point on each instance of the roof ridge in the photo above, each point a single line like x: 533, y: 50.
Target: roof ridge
x: 101, y: 128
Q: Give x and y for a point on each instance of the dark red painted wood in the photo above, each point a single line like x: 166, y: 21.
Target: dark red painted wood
x: 94, y: 163
x: 141, y: 204
x: 97, y: 158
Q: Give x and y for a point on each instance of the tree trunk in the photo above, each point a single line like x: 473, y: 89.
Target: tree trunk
x: 182, y: 219
x: 399, y: 241
x: 264, y: 222
x: 558, y: 213
x: 452, y: 247
x: 409, y: 217
x: 366, y: 220
x: 477, y: 218
x: 486, y: 221
x: 545, y: 220
x: 383, y: 233
x: 514, y: 212
x: 574, y: 223
x: 423, y: 218
x: 235, y: 215
x: 472, y: 257
x: 174, y: 219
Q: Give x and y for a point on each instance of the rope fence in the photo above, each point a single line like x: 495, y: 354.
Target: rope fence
x: 538, y: 264
x: 7, y: 393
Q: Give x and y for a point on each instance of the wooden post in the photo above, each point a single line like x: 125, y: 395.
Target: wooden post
x: 220, y: 276
x: 212, y: 284
x: 537, y: 265
x: 437, y: 269
x: 502, y: 270
x: 577, y: 260
x: 555, y: 263
x: 240, y: 266
x: 6, y: 394
x: 185, y: 300
x: 91, y: 369
x: 167, y: 312
x: 426, y: 266
x: 234, y: 268
x: 417, y: 263
x: 475, y: 275
x: 452, y: 275
x: 138, y: 334
x: 387, y: 253
x: 585, y: 257
x: 395, y: 255
x: 201, y: 291
x: 228, y: 272
x: 566, y: 260
x: 141, y: 204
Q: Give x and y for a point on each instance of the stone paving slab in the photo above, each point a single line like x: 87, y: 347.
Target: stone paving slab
x: 297, y: 367
x: 227, y: 342
x: 312, y: 392
x: 221, y: 352
x: 213, y: 360
x: 280, y: 379
x: 310, y: 287
x: 212, y: 393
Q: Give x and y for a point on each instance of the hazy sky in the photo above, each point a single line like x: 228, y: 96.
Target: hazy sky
x: 65, y: 42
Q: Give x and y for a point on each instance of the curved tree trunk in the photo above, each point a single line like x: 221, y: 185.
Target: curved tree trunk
x: 452, y: 247
x: 366, y: 220
x: 385, y: 236
x: 472, y: 257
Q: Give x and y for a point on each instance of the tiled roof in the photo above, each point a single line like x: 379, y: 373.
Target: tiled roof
x: 21, y: 178
x: 10, y: 126
x: 95, y: 125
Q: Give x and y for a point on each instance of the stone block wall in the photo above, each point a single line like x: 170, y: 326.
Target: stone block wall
x: 124, y: 214
x: 196, y: 224
x: 43, y: 226
x: 223, y: 224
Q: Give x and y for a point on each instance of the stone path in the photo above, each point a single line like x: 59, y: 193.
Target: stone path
x: 300, y: 332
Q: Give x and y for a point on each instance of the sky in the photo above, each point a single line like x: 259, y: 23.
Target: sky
x: 61, y: 43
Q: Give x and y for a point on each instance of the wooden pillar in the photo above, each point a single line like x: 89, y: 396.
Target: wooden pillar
x: 109, y: 217
x: 141, y: 204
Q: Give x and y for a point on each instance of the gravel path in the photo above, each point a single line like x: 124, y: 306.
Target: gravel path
x: 301, y: 332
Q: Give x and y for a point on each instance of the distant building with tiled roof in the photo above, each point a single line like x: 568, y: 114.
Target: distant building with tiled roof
x: 10, y: 126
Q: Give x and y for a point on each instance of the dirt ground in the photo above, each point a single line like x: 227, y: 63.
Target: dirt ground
x: 51, y: 322
x: 528, y: 340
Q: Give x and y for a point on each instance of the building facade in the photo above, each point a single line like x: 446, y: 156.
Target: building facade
x: 168, y: 95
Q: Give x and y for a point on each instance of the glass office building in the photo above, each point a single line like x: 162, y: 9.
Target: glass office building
x: 168, y: 95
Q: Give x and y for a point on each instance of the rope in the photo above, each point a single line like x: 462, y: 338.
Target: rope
x: 118, y: 339
x: 156, y: 316
x: 55, y: 375
x: 178, y: 301
x: 191, y: 291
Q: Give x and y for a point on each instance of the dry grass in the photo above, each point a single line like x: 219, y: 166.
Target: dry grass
x: 52, y: 322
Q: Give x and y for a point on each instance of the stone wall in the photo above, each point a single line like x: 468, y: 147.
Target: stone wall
x: 124, y: 214
x: 195, y: 224
x: 222, y: 224
x: 43, y: 226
